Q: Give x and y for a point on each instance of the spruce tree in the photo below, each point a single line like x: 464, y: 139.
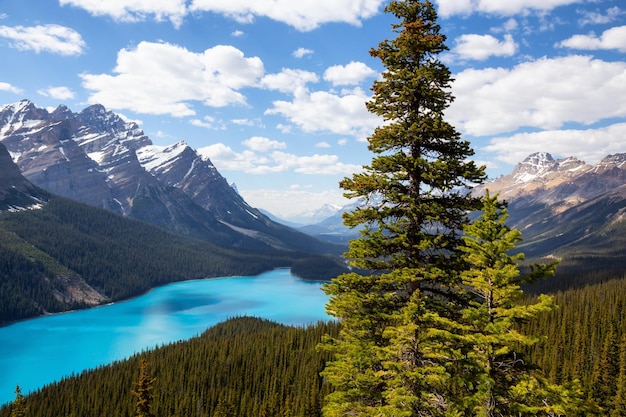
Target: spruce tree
x: 499, y: 380
x: 143, y: 391
x: 397, y: 350
x: 18, y: 406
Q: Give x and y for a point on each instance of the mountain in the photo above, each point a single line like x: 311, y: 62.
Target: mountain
x: 568, y: 209
x: 97, y: 158
x: 57, y: 254
x: 16, y: 192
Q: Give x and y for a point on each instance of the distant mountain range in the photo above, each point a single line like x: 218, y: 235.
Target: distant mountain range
x: 58, y: 254
x: 565, y: 208
x: 97, y: 158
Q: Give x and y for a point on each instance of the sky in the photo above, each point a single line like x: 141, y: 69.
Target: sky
x: 274, y: 91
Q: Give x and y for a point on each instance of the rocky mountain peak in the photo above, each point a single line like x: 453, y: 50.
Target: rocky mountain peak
x: 98, y: 158
x: 533, y: 166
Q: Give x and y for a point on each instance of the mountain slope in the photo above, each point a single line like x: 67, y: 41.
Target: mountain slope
x: 570, y: 210
x: 57, y: 254
x: 97, y: 158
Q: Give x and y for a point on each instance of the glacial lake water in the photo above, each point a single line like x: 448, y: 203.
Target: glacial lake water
x: 36, y: 352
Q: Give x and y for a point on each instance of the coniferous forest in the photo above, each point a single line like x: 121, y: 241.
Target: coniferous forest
x: 248, y: 367
x: 432, y: 321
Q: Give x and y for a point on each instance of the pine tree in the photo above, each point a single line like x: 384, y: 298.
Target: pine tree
x: 18, y: 406
x: 498, y: 378
x: 396, y: 353
x: 143, y: 391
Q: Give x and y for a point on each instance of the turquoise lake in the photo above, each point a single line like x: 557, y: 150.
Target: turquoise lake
x: 36, y: 352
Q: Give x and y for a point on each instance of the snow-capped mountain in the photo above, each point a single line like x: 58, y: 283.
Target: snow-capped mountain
x: 567, y: 206
x: 541, y: 180
x: 98, y: 158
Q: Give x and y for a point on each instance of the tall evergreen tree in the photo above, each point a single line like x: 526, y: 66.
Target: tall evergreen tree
x: 18, y: 407
x: 143, y: 391
x: 497, y: 375
x: 395, y: 355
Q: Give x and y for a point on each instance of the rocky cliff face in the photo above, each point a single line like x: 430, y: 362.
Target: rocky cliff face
x: 96, y: 157
x: 566, y: 204
x: 16, y: 192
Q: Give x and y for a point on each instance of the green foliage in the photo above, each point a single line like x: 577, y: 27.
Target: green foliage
x: 117, y: 256
x: 500, y: 380
x: 244, y: 367
x: 396, y: 354
x: 318, y: 267
x: 143, y: 391
x: 585, y: 341
x: 18, y: 406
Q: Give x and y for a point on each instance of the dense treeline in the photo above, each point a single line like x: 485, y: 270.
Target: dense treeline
x: 252, y: 367
x: 585, y: 340
x: 242, y: 367
x: 117, y: 256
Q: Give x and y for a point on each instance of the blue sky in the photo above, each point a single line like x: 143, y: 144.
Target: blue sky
x: 273, y: 91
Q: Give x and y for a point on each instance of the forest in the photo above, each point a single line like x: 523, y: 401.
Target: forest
x: 249, y: 367
x: 117, y: 256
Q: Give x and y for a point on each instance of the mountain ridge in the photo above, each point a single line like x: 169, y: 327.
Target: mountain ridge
x: 96, y: 157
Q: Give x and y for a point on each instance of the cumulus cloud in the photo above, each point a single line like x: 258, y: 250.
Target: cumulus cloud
x: 10, y: 88
x: 481, y: 47
x: 59, y: 93
x: 261, y: 144
x: 594, y: 18
x: 350, y: 74
x: 343, y: 113
x: 614, y: 38
x: 304, y: 15
x: 264, y: 160
x: 208, y: 122
x: 288, y: 80
x: 133, y: 10
x: 160, y: 78
x: 544, y: 94
x: 448, y: 8
x: 301, y: 52
x: 55, y: 39
x: 589, y: 145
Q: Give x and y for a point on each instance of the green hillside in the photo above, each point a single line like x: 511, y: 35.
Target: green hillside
x: 242, y: 367
x: 69, y: 255
x: 249, y: 367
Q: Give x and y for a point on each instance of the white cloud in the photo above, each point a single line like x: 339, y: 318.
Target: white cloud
x: 302, y: 52
x: 304, y: 15
x: 237, y: 34
x: 350, y: 74
x: 10, y: 88
x: 254, y: 161
x: 614, y: 38
x: 589, y: 145
x: 545, y: 94
x: 55, y: 39
x: 481, y: 47
x: 242, y: 122
x: 160, y: 78
x: 59, y: 93
x: 261, y: 144
x: 322, y: 145
x: 595, y: 18
x: 133, y: 10
x: 208, y: 122
x: 448, y: 8
x: 320, y: 111
x: 288, y: 80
